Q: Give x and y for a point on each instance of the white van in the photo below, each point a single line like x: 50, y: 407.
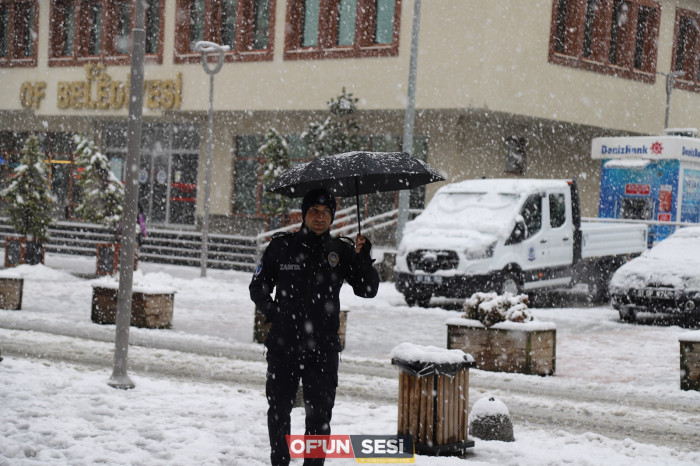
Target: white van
x: 509, y: 235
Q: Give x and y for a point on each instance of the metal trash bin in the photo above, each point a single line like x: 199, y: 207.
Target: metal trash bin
x: 434, y: 398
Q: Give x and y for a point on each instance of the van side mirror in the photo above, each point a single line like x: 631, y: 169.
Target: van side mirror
x: 518, y: 234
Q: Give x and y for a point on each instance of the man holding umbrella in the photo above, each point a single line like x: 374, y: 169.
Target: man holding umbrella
x: 307, y: 270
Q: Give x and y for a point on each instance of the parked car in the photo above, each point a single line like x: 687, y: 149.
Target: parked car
x: 664, y: 281
x: 507, y: 235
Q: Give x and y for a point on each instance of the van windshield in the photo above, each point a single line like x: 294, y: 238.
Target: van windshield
x: 485, y: 212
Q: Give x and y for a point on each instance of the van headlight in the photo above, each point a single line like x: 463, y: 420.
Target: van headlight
x: 476, y: 254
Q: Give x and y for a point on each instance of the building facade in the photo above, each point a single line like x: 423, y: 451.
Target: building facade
x: 504, y: 88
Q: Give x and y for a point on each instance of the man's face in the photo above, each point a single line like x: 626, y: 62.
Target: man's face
x: 318, y: 218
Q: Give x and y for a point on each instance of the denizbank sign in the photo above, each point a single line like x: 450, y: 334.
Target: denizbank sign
x: 100, y: 92
x: 624, y: 150
x: 647, y: 147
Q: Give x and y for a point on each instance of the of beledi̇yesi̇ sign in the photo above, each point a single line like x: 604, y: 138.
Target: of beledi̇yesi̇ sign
x: 100, y: 92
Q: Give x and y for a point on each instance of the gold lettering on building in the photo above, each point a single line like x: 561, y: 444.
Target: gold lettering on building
x: 31, y: 94
x: 100, y: 92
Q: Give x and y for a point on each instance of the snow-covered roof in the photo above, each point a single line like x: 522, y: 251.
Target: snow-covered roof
x: 503, y: 185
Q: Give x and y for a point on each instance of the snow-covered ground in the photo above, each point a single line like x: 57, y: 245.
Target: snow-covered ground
x: 199, y: 398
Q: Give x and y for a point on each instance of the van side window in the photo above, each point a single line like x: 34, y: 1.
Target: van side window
x: 532, y: 214
x: 557, y: 210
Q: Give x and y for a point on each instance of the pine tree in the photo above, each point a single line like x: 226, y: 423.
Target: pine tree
x: 339, y: 132
x: 275, y: 151
x: 28, y: 195
x: 102, y: 192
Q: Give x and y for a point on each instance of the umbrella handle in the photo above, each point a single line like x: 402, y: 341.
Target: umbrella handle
x: 357, y: 201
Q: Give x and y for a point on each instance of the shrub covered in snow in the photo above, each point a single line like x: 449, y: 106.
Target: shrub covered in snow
x: 492, y: 308
x: 102, y: 192
x: 275, y: 152
x: 28, y: 195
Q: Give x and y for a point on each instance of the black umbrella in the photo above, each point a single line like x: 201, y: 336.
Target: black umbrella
x: 355, y: 173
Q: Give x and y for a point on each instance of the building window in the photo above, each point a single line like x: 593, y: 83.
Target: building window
x: 89, y: 31
x: 616, y: 37
x: 247, y: 26
x: 686, y: 53
x: 18, y: 32
x: 342, y: 28
x: 515, y: 155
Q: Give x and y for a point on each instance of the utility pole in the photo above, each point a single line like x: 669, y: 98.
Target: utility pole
x: 407, y: 143
x: 120, y: 378
x: 207, y: 47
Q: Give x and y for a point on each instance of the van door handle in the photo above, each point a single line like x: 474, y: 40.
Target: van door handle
x: 566, y: 238
x: 543, y: 241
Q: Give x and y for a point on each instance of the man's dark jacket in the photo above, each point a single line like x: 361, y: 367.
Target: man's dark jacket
x: 307, y: 271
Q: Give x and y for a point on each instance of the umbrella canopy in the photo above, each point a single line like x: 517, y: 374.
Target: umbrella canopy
x: 355, y: 173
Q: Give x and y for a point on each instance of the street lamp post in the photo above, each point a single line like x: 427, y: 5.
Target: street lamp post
x: 670, y: 79
x: 120, y: 378
x: 407, y: 142
x: 206, y: 47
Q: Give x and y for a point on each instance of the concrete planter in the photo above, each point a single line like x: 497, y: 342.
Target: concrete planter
x: 526, y: 348
x: 149, y: 309
x: 11, y: 289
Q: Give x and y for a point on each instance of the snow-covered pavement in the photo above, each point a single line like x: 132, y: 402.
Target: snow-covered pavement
x: 199, y: 396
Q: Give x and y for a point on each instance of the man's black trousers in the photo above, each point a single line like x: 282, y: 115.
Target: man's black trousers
x: 318, y: 372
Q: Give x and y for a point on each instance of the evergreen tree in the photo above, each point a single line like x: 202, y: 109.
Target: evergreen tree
x: 102, y: 192
x: 339, y: 132
x: 275, y: 151
x: 28, y: 196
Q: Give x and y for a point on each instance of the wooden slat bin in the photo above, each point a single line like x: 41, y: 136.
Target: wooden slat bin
x: 11, y: 289
x: 434, y: 398
x: 690, y: 361
x: 526, y: 348
x: 261, y: 329
x: 149, y: 309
